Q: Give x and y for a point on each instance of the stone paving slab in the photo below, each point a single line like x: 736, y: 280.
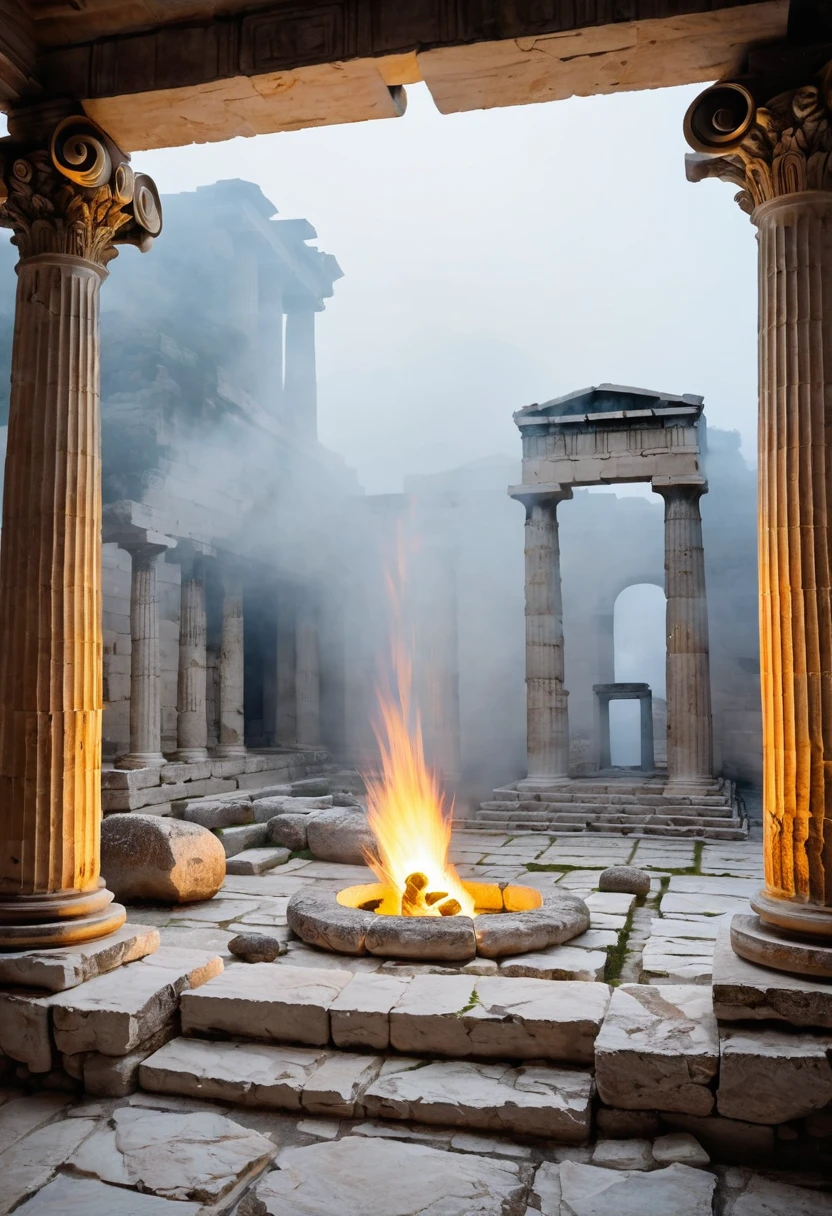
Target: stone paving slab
x: 363, y: 1177
x: 559, y: 963
x: 29, y: 1164
x: 67, y: 1196
x: 256, y: 860
x: 529, y: 1101
x: 67, y: 966
x: 658, y: 1049
x: 771, y: 1076
x: 572, y: 1189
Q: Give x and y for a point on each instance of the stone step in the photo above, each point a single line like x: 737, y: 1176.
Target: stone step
x: 616, y: 814
x: 257, y: 860
x: 730, y: 830
x: 533, y: 1100
x: 488, y: 1017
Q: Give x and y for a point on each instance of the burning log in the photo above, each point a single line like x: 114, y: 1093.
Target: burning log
x: 370, y: 905
x: 433, y: 897
x: 451, y: 907
x: 413, y: 900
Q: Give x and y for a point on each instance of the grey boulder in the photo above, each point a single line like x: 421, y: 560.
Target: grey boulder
x: 340, y: 834
x: 156, y: 858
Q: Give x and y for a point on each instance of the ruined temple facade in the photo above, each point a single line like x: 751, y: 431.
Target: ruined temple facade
x: 216, y: 628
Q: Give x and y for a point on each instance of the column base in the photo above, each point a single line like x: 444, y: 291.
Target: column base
x: 543, y: 783
x: 690, y: 788
x: 230, y: 751
x: 141, y: 760
x: 60, y: 918
x: 190, y: 755
x: 757, y: 942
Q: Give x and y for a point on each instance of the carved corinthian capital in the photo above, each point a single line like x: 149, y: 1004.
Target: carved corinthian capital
x: 77, y: 196
x: 782, y: 147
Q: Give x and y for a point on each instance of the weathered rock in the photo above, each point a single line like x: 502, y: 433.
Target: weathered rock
x: 29, y: 1164
x: 311, y: 787
x: 56, y: 970
x: 623, y: 1124
x: 343, y: 798
x: 154, y: 858
x: 247, y: 836
x: 361, y: 1176
x: 219, y: 812
x: 557, y: 963
x: 658, y: 1049
x: 623, y: 1155
x: 289, y: 831
x: 267, y: 808
x: 421, y: 937
x: 257, y: 860
x: 586, y: 1190
x: 770, y: 1076
x: 340, y: 834
x: 256, y: 947
x: 767, y: 1197
x: 360, y: 1014
x: 176, y: 1156
x: 629, y: 879
x: 679, y: 1148
x: 561, y: 917
x: 319, y: 920
x: 88, y: 1196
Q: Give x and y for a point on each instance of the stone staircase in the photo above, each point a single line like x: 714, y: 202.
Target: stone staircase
x: 627, y: 806
x: 478, y: 1053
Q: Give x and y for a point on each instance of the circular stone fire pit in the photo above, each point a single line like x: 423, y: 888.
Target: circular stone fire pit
x: 510, y: 919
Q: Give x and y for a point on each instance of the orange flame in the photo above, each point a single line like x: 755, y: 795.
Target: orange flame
x: 406, y: 809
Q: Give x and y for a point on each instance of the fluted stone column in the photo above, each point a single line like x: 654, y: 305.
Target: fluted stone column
x: 232, y: 714
x: 286, y: 724
x: 67, y: 199
x: 191, y: 709
x: 689, y: 726
x: 781, y: 158
x: 307, y: 677
x: 145, y: 667
x: 547, y: 718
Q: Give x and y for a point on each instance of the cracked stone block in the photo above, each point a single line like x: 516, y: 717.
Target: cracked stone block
x: 65, y: 967
x: 116, y: 1013
x: 219, y: 812
x: 572, y: 1189
x: 266, y: 1001
x: 623, y: 1155
x: 67, y: 1195
x: 29, y: 1164
x: 360, y: 1014
x: 183, y: 1156
x: 559, y: 963
x: 766, y: 1197
x: 358, y: 1176
x: 246, y: 836
x: 23, y: 1115
x: 494, y: 1016
x: 530, y: 1100
x: 257, y: 861
x: 771, y: 1076
x: 658, y: 1049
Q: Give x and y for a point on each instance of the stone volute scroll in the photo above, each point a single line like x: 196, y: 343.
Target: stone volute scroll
x: 70, y: 197
x: 772, y: 137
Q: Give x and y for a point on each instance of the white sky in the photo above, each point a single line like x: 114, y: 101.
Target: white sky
x: 501, y: 257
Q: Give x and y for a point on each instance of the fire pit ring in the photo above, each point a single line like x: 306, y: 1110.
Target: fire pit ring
x: 512, y: 919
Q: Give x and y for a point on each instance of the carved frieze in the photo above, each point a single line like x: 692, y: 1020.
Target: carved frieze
x: 782, y: 147
x: 77, y: 196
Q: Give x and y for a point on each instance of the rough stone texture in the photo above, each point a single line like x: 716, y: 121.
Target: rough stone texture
x: 340, y: 834
x: 289, y: 831
x: 29, y: 1164
x: 558, y: 963
x: 530, y: 1100
x: 498, y: 1017
x: 561, y: 917
x: 360, y: 1176
x: 175, y: 1156
x: 259, y: 1000
x: 770, y: 1076
x: 360, y: 1014
x: 744, y: 991
x: 65, y: 967
x: 116, y: 1013
x: 658, y: 1049
x: 266, y: 809
x: 585, y: 1190
x: 427, y: 937
x: 220, y: 813
x: 629, y: 879
x: 256, y: 861
x: 246, y: 836
x: 311, y: 787
x: 318, y: 919
x: 767, y: 1197
x: 168, y: 860
x: 256, y: 947
x: 623, y: 1154
x: 88, y: 1197
x: 679, y: 1148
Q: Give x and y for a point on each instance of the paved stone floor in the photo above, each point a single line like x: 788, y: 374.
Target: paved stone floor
x: 149, y: 1154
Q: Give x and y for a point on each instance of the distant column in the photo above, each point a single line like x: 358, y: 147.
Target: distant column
x: 547, y: 718
x: 300, y: 385
x: 145, y: 668
x: 232, y: 713
x: 689, y: 729
x: 307, y: 677
x: 286, y: 725
x: 192, y: 720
